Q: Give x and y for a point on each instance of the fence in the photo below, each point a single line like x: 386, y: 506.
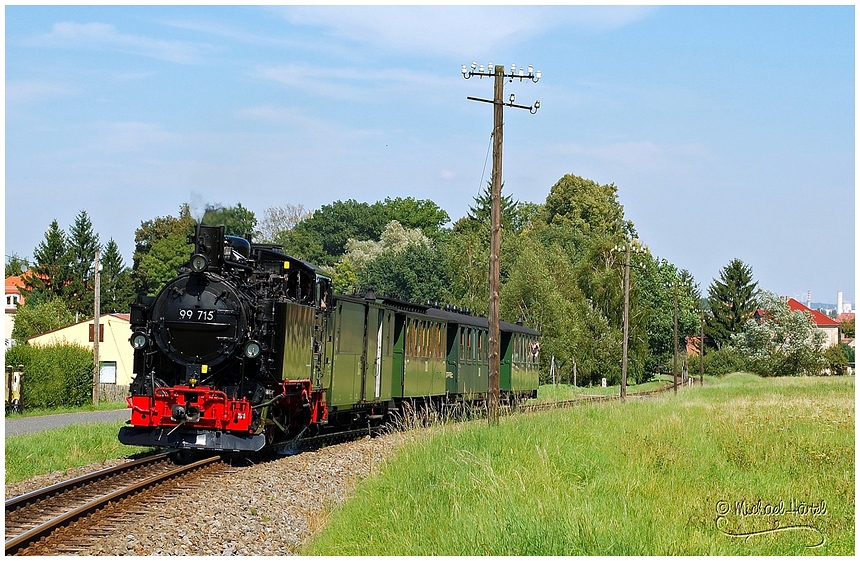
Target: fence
x: 112, y: 392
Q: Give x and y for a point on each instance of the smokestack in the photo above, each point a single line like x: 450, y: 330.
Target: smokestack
x: 809, y: 299
x: 838, y: 302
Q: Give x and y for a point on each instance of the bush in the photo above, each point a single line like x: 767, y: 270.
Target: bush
x: 58, y: 376
x: 719, y: 362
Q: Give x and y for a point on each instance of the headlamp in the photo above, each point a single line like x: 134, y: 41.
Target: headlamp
x: 251, y: 350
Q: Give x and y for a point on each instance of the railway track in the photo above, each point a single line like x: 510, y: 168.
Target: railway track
x: 33, y: 519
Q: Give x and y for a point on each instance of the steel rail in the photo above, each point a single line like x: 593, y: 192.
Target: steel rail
x: 45, y: 492
x: 23, y: 540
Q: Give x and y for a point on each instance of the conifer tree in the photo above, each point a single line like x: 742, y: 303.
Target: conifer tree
x: 732, y: 301
x: 117, y: 293
x: 82, y: 245
x: 51, y: 270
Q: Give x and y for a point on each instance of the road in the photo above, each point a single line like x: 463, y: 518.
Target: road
x: 30, y: 425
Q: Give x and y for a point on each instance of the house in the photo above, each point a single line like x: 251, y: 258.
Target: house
x: 13, y: 299
x: 829, y: 326
x: 116, y: 357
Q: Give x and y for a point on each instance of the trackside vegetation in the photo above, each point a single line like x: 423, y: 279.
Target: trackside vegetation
x: 63, y: 448
x: 742, y: 466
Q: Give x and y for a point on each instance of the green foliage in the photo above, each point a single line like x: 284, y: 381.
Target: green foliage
x: 40, y: 317
x: 161, y: 246
x: 589, y: 208
x: 783, y: 343
x: 79, y: 292
x: 848, y: 351
x: 117, y: 292
x: 56, y: 376
x: 835, y: 359
x: 416, y: 273
x: 322, y: 237
x: 719, y: 362
x: 52, y: 267
x: 731, y: 300
x: 467, y: 254
x: 237, y: 220
x: 847, y: 328
x: 16, y: 265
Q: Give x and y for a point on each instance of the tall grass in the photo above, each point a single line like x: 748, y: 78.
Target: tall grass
x: 663, y: 476
x: 63, y: 448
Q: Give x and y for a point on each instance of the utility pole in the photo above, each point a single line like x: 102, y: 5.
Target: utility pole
x: 498, y: 72
x: 675, y: 360
x: 701, y: 347
x: 626, y: 328
x: 96, y: 328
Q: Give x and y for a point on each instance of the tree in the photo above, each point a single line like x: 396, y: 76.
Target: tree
x: 403, y: 263
x: 322, y: 237
x: 731, y: 300
x: 847, y: 327
x: 82, y: 245
x: 835, y: 359
x: 415, y: 273
x: 51, y: 271
x: 237, y: 220
x: 34, y: 318
x: 279, y: 219
x: 516, y: 216
x: 117, y: 292
x: 782, y: 343
x: 16, y: 265
x: 161, y: 246
x: 588, y: 207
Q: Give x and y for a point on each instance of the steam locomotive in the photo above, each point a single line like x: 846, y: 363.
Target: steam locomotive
x: 248, y: 347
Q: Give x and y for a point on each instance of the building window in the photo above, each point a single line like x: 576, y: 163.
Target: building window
x: 107, y: 372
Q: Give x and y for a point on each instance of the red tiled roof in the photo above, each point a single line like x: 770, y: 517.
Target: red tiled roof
x: 820, y: 319
x: 13, y: 283
x: 847, y: 316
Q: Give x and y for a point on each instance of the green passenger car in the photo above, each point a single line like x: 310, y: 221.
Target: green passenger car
x: 361, y: 354
x: 519, y: 366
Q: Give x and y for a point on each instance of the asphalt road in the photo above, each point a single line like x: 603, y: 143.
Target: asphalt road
x: 30, y: 425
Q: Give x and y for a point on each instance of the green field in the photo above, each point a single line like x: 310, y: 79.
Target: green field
x: 742, y: 466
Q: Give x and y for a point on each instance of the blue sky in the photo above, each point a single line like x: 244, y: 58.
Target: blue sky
x: 728, y: 130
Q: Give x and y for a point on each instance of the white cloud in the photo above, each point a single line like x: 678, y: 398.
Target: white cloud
x: 349, y: 83
x: 105, y: 36
x: 457, y: 30
x: 21, y: 91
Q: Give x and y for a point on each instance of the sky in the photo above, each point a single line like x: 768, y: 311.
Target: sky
x: 728, y: 130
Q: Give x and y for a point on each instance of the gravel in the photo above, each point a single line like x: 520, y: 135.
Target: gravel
x: 265, y: 509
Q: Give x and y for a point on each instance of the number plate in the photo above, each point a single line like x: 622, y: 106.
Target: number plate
x: 196, y: 315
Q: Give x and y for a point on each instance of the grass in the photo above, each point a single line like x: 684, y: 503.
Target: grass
x: 550, y: 392
x: 686, y: 475
x: 63, y: 448
x: 40, y: 411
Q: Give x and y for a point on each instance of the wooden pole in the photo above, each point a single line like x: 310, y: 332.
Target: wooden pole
x: 702, y: 348
x: 675, y: 360
x: 96, y: 329
x: 626, y: 328
x: 495, y: 247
